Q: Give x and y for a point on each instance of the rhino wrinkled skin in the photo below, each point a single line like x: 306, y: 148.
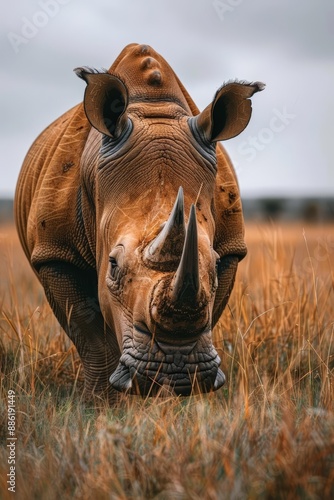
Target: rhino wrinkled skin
x: 129, y: 213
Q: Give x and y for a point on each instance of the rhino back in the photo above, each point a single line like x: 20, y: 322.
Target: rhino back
x: 47, y: 199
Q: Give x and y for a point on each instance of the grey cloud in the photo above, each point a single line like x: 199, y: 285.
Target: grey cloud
x: 287, y: 44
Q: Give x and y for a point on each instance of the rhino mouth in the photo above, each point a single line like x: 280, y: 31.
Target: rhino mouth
x: 148, y: 366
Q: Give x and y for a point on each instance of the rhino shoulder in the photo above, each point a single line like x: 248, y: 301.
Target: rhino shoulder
x: 47, y: 190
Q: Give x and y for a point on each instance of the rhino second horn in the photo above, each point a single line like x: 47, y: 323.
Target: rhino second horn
x: 169, y: 242
x: 186, y: 283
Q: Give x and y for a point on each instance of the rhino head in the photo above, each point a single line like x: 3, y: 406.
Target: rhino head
x: 165, y: 263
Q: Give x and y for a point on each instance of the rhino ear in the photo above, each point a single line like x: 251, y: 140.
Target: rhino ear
x: 230, y: 111
x: 105, y: 101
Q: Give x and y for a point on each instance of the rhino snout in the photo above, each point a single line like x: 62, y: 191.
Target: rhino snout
x: 147, y: 366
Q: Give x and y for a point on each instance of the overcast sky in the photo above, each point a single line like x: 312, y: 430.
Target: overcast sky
x: 287, y: 149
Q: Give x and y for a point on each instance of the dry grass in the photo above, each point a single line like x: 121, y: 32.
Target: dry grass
x: 269, y: 434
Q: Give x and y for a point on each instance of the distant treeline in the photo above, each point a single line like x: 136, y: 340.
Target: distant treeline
x: 289, y: 209
x: 6, y: 211
x: 262, y: 209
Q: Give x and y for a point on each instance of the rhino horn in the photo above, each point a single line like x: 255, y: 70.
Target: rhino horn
x: 186, y: 283
x: 169, y: 242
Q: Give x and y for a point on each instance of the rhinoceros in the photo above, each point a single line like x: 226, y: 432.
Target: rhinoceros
x: 128, y: 209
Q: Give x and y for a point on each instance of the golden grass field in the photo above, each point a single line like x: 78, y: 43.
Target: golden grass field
x: 268, y: 434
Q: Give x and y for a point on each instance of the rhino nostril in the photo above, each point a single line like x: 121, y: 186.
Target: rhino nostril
x: 141, y: 327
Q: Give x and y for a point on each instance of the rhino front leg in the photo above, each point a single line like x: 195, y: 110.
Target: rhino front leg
x: 72, y: 295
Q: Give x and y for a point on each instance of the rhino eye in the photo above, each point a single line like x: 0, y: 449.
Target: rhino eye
x: 114, y: 269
